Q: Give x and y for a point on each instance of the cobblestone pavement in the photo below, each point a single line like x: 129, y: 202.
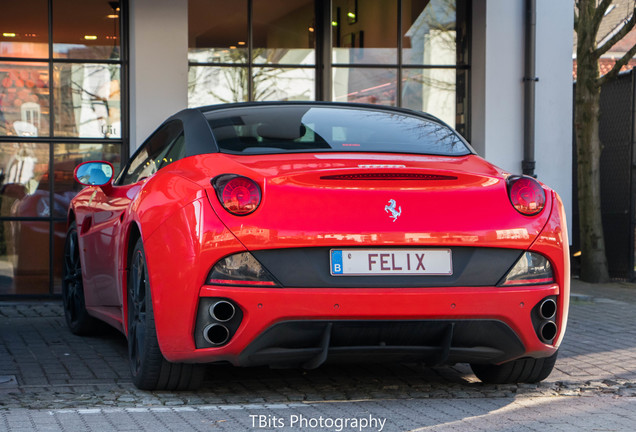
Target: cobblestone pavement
x: 53, y: 380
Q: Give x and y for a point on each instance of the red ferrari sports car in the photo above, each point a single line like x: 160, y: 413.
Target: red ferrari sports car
x: 291, y: 234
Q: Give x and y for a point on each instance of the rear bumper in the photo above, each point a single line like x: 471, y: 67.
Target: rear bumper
x: 296, y: 327
x: 308, y: 344
x: 180, y: 318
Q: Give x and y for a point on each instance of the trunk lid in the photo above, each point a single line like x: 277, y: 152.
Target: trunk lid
x: 353, y: 199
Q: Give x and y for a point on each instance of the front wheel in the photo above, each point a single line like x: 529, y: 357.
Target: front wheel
x: 149, y: 369
x: 524, y: 370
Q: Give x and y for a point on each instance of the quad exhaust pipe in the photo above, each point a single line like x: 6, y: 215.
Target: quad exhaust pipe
x: 547, y: 309
x: 548, y: 331
x: 222, y: 311
x: 218, y: 320
x: 544, y: 323
x: 216, y: 334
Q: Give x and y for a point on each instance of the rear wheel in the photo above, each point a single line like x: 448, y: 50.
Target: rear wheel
x: 525, y: 370
x: 77, y: 318
x: 150, y: 370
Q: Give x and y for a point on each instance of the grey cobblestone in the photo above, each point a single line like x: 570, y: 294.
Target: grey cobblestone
x: 83, y: 383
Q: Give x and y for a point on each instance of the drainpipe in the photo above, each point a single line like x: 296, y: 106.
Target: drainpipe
x: 529, y: 81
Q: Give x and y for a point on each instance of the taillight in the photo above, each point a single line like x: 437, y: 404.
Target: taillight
x: 526, y: 195
x: 239, y: 195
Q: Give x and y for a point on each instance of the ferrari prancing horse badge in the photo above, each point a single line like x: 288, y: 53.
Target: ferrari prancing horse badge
x: 391, y: 208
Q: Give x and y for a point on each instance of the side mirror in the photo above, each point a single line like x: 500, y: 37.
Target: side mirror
x: 94, y: 173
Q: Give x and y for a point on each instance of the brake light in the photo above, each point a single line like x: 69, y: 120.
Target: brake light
x: 526, y: 195
x: 239, y: 195
x: 388, y: 176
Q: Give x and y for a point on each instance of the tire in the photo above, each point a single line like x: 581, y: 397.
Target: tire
x: 75, y: 313
x: 149, y: 369
x: 524, y: 370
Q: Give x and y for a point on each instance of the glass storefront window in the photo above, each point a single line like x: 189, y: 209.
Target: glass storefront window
x: 208, y: 85
x: 284, y: 84
x: 214, y: 40
x: 87, y: 29
x: 23, y: 166
x: 364, y: 31
x: 432, y: 91
x: 409, y: 53
x: 365, y: 85
x: 24, y: 257
x: 24, y: 99
x: 283, y: 34
x: 429, y: 32
x: 22, y: 34
x: 55, y: 82
x: 87, y: 100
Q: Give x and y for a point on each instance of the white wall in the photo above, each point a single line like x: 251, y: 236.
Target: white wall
x: 158, y: 64
x: 497, y: 86
x: 553, y: 114
x: 497, y: 107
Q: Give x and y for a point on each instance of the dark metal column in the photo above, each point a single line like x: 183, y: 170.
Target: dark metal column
x: 529, y: 81
x: 322, y: 30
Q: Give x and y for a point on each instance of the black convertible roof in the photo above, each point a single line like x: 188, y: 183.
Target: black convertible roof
x: 200, y: 140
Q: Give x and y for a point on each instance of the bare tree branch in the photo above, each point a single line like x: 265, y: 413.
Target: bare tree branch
x: 629, y: 25
x: 617, y: 66
x: 576, y: 16
x: 599, y: 13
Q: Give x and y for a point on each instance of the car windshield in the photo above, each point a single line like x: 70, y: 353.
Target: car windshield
x: 301, y: 128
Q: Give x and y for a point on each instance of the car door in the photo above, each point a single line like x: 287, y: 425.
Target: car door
x: 105, y: 231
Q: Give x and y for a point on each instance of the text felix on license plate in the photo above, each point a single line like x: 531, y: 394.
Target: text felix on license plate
x: 391, y: 262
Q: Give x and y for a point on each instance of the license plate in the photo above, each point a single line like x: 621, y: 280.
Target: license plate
x: 360, y: 262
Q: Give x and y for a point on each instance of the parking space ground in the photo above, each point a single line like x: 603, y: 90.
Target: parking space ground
x: 53, y: 380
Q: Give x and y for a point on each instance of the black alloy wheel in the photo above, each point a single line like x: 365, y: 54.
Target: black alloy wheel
x: 149, y: 369
x: 75, y: 313
x: 137, y: 312
x: 523, y: 370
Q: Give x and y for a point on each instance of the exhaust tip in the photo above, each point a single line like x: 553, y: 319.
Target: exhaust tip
x: 548, y: 331
x: 216, y: 334
x: 222, y: 311
x: 547, y: 308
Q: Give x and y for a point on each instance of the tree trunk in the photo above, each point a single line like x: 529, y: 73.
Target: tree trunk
x: 586, y: 119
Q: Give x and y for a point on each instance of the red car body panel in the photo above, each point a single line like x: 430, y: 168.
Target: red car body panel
x: 186, y: 231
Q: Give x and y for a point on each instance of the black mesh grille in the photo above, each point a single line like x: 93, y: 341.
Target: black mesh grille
x: 616, y: 132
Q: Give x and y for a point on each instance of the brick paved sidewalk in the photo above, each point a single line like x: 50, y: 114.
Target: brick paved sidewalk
x: 42, y: 365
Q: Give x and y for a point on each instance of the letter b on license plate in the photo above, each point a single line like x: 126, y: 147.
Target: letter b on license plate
x: 360, y: 262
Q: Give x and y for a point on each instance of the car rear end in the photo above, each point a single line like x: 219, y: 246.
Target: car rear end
x: 307, y: 254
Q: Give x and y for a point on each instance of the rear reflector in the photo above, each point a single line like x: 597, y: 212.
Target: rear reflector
x: 240, y: 282
x: 388, y: 176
